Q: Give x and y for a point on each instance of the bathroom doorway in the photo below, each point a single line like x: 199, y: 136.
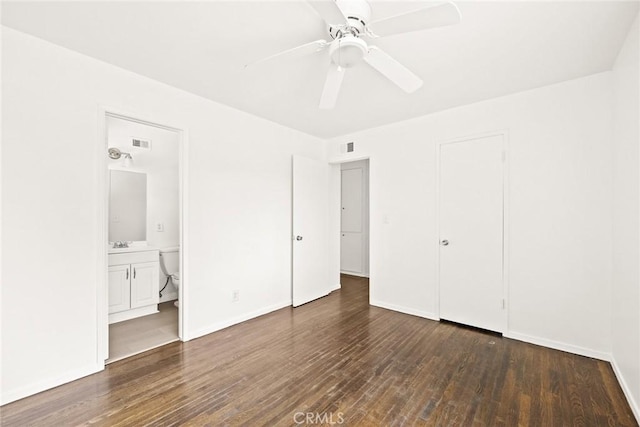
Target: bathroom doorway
x: 142, y: 297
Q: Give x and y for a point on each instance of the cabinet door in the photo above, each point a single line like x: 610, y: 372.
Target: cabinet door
x: 144, y: 284
x: 119, y: 295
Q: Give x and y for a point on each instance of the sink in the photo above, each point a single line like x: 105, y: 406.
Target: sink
x: 132, y: 248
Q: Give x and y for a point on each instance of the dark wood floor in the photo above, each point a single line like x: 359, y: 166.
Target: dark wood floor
x: 338, y: 359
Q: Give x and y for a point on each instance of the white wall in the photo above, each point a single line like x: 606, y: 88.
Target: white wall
x: 559, y: 209
x: 239, y: 200
x: 625, y: 332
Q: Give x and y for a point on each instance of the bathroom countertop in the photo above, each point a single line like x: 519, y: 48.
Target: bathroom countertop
x: 134, y: 248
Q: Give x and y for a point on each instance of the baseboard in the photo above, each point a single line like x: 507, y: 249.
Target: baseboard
x: 581, y: 351
x: 235, y: 320
x: 405, y: 310
x: 336, y: 287
x: 49, y: 383
x: 635, y: 408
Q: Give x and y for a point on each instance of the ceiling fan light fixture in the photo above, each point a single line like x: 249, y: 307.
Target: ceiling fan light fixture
x: 348, y: 51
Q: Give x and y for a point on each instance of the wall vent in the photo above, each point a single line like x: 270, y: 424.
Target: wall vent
x: 144, y: 144
x: 349, y: 147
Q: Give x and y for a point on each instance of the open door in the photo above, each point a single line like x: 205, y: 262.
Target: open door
x: 310, y: 228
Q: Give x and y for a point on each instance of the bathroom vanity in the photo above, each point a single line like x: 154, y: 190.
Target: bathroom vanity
x: 133, y: 282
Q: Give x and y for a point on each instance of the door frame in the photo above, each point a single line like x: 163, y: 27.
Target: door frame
x: 102, y: 202
x: 338, y: 201
x: 505, y: 216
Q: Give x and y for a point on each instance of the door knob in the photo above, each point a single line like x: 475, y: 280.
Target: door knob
x: 444, y: 243
x: 298, y: 237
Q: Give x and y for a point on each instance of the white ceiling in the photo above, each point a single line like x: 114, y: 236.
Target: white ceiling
x: 499, y: 48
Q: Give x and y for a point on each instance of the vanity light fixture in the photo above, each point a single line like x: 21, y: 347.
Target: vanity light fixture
x: 115, y: 154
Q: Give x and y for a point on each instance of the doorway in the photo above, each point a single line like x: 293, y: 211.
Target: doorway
x: 354, y: 218
x: 472, y: 232
x: 141, y: 300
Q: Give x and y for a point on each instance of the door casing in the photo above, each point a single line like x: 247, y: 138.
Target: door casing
x: 102, y: 203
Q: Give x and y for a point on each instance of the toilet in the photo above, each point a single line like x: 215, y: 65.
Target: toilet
x: 170, y: 265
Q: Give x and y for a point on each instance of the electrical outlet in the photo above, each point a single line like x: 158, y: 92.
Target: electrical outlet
x: 235, y: 295
x: 160, y: 227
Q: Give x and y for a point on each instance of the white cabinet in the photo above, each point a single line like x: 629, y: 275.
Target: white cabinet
x: 133, y: 284
x: 144, y: 284
x: 119, y: 288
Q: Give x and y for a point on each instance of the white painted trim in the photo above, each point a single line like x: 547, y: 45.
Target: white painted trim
x: 505, y: 226
x: 133, y: 313
x: 239, y: 319
x: 102, y: 260
x: 504, y: 133
x: 102, y: 298
x: 405, y: 310
x: 183, y: 165
x: 625, y: 389
x: 337, y: 161
x: 49, y: 383
x: 556, y: 345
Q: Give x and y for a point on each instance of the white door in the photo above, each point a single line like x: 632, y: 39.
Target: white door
x: 310, y: 228
x: 351, y: 221
x: 119, y: 296
x: 144, y: 284
x: 471, y: 232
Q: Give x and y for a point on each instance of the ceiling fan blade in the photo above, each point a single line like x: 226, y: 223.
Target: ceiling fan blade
x: 329, y: 11
x: 331, y: 87
x: 436, y: 15
x: 393, y: 70
x: 295, y: 52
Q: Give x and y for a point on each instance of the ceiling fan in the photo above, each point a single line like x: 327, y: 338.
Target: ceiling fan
x: 349, y: 26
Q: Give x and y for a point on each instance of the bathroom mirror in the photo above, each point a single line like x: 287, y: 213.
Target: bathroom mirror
x: 127, y: 206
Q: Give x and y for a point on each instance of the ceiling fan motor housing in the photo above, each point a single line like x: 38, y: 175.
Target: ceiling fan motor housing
x: 357, y: 13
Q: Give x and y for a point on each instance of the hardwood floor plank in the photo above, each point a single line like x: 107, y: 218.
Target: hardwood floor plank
x: 338, y: 357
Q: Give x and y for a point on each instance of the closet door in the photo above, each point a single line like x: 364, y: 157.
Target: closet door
x: 351, y: 233
x: 471, y: 232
